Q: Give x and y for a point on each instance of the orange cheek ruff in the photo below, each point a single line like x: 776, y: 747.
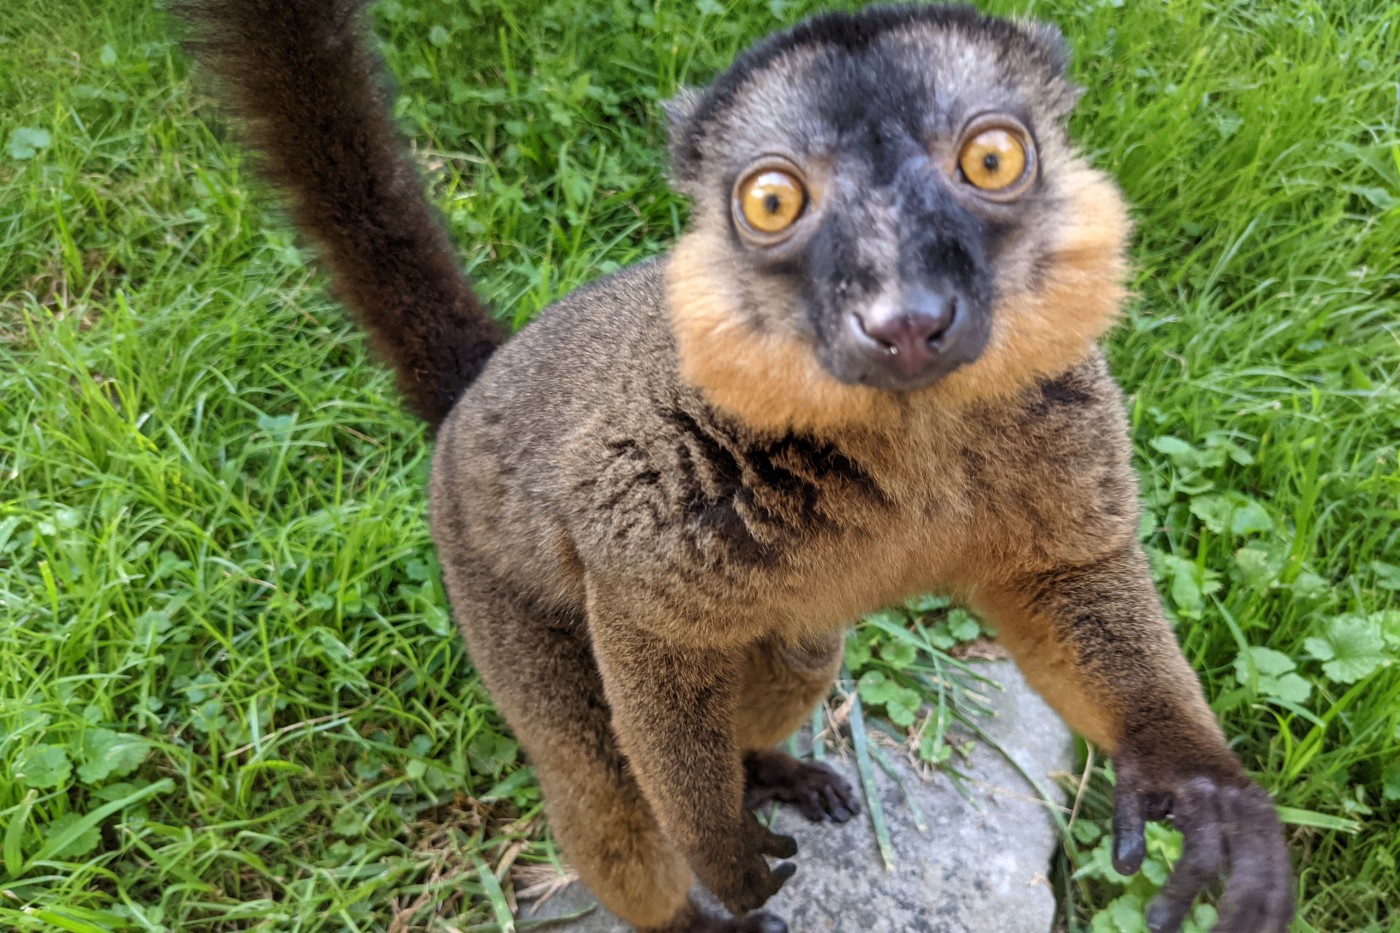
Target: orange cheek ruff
x: 770, y: 381
x: 1044, y: 333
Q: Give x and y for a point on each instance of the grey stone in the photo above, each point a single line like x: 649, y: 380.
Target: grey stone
x: 979, y: 866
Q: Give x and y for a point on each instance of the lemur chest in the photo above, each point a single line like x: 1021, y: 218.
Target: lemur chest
x: 792, y: 528
x: 945, y: 526
x: 801, y: 531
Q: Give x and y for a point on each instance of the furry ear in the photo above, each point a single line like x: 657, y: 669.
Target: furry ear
x: 1051, y: 44
x: 680, y: 129
x: 681, y: 108
x: 1052, y: 51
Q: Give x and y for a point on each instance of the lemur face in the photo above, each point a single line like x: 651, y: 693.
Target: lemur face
x: 888, y: 184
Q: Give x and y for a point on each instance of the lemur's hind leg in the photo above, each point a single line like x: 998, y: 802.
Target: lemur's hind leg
x: 540, y: 673
x: 542, y: 676
x: 694, y: 920
x: 782, y: 684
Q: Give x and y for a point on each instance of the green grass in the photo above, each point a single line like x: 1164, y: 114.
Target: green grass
x: 230, y: 694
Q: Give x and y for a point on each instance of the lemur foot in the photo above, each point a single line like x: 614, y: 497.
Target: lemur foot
x: 759, y: 922
x: 694, y: 920
x: 817, y: 792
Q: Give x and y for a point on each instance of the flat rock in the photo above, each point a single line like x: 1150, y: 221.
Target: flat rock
x: 979, y: 865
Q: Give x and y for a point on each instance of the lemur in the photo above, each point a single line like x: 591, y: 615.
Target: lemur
x: 868, y: 369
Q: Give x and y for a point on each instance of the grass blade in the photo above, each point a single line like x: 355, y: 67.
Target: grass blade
x: 14, y: 835
x: 491, y: 886
x: 867, y: 782
x: 919, y: 822
x: 1296, y: 817
x: 58, y: 841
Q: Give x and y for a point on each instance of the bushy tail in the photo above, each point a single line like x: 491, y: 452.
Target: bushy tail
x: 304, y: 80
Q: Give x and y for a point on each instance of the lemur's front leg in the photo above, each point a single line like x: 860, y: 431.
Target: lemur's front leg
x: 1094, y: 641
x: 673, y: 712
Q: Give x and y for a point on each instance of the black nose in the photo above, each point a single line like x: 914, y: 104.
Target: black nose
x: 917, y: 332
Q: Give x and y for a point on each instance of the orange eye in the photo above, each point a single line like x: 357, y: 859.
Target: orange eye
x: 993, y: 160
x: 770, y: 200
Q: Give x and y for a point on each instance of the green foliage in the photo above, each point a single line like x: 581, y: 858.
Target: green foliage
x: 231, y: 696
x: 42, y: 766
x: 26, y: 141
x: 1126, y: 912
x: 1354, y: 646
x: 898, y: 657
x: 107, y: 754
x: 1271, y: 673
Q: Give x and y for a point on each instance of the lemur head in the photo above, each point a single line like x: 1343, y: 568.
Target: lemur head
x: 892, y: 195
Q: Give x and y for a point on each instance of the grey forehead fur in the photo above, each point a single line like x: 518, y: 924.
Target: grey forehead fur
x: 947, y: 58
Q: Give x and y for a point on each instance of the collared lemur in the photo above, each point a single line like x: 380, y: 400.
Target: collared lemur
x: 868, y: 370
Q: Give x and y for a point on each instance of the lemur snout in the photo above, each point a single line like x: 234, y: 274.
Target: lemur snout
x: 913, y: 333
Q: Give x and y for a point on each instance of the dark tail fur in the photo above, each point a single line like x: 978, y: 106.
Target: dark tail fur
x: 303, y: 78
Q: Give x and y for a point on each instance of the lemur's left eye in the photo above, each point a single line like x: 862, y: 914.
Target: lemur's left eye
x: 994, y: 159
x: 770, y: 200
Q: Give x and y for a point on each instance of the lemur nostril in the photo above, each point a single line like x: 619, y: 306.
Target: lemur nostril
x: 884, y: 343
x: 945, y: 324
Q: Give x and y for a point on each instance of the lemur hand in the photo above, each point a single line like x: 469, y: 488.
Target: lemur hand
x: 743, y: 881
x: 1229, y: 827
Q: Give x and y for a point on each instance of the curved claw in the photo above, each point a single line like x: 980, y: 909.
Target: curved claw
x: 780, y: 846
x: 1129, y: 842
x: 760, y: 888
x: 1132, y: 811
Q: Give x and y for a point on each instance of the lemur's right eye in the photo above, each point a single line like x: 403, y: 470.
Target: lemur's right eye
x: 770, y: 200
x: 996, y: 157
x: 993, y: 160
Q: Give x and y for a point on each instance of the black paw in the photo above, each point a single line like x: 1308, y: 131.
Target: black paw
x: 817, y: 792
x: 736, y: 868
x: 761, y: 922
x: 750, y: 889
x: 1229, y: 829
x: 757, y: 922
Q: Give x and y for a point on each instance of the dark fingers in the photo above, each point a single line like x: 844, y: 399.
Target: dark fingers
x: 1202, y: 859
